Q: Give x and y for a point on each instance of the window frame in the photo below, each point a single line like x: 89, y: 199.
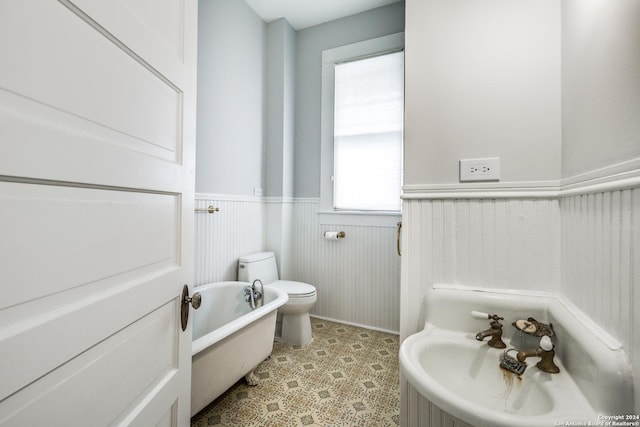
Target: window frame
x: 331, y: 57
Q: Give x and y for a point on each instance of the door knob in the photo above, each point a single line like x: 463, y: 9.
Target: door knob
x: 187, y: 300
x: 195, y: 300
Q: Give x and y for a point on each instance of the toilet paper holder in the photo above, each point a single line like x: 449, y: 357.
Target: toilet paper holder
x: 334, y: 235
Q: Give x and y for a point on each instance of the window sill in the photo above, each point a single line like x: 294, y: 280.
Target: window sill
x: 360, y: 218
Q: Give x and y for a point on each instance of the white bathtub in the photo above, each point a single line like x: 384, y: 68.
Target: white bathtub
x: 229, y: 339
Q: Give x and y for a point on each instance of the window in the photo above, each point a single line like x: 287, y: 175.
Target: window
x: 362, y: 129
x: 368, y: 118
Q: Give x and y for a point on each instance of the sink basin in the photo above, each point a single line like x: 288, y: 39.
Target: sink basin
x: 462, y: 376
x: 480, y: 379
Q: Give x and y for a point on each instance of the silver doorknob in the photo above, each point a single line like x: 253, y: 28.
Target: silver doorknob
x: 194, y: 300
x: 187, y: 300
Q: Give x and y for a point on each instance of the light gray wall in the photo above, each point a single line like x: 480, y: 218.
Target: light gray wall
x: 600, y: 84
x: 231, y: 80
x: 309, y: 46
x: 238, y: 149
x: 247, y: 81
x: 281, y: 39
x: 482, y: 80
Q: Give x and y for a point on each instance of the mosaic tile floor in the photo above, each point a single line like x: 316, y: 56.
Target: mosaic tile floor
x: 348, y: 376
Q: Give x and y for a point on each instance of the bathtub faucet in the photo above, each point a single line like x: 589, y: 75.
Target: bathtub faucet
x: 259, y: 294
x: 252, y: 296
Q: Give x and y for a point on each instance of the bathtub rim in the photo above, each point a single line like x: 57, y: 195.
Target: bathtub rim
x: 228, y: 329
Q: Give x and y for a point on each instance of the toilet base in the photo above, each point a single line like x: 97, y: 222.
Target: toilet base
x: 294, y: 329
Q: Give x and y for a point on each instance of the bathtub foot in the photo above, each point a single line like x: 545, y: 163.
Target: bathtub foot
x: 251, y: 378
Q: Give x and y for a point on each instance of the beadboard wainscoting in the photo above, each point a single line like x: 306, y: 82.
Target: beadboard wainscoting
x: 425, y: 414
x: 508, y: 243
x: 222, y: 237
x: 582, y: 241
x: 504, y: 244
x: 357, y: 278
x: 601, y: 262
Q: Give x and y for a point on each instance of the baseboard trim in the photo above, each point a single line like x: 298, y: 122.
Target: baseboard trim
x: 359, y: 325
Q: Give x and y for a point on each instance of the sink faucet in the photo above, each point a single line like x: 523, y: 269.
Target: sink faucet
x: 546, y: 354
x: 495, y: 331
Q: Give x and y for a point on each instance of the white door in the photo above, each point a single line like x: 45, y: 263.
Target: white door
x: 97, y: 139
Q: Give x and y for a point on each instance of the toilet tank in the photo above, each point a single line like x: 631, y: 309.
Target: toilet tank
x: 261, y: 265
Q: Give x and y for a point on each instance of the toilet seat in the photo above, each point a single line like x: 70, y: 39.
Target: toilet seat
x: 295, y: 289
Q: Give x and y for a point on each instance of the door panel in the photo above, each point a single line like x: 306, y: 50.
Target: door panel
x: 84, y: 390
x: 66, y: 77
x: 97, y: 138
x: 153, y: 28
x: 106, y: 233
x: 48, y: 339
x: 43, y: 132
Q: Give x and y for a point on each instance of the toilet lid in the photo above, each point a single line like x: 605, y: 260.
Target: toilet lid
x: 294, y: 289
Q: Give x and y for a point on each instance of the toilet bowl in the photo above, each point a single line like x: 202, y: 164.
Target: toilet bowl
x: 294, y: 325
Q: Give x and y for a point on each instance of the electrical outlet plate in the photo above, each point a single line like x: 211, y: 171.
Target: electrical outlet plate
x: 487, y: 169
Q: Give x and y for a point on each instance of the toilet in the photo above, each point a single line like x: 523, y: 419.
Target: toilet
x: 293, y: 325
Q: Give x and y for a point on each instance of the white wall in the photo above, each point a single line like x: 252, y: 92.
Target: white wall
x: 231, y: 97
x: 222, y: 237
x: 592, y: 173
x: 600, y: 242
x: 357, y: 278
x: 601, y: 142
x: 482, y: 80
x: 600, y: 84
x: 507, y: 243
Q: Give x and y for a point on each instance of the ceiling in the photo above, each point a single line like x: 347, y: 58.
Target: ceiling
x: 307, y: 13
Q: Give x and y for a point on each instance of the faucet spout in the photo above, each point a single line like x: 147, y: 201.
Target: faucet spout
x: 486, y: 333
x: 495, y: 332
x: 546, y: 363
x: 523, y: 355
x: 258, y: 294
x: 250, y: 297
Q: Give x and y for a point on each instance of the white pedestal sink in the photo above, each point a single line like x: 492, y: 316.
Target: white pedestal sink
x: 460, y: 375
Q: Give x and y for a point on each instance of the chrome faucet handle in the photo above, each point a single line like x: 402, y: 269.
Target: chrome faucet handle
x: 258, y: 294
